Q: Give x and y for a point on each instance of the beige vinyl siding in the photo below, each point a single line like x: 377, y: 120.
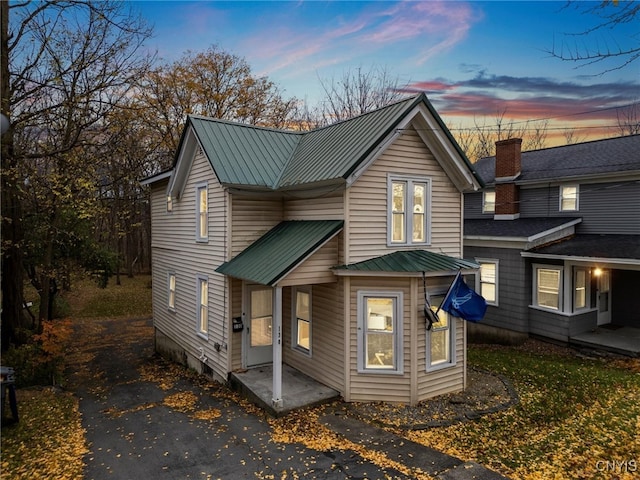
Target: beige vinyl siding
x: 252, y: 217
x: 445, y: 380
x: 329, y: 207
x: 372, y: 387
x: 316, y: 268
x: 236, y: 311
x: 174, y: 248
x: 327, y: 337
x: 367, y: 200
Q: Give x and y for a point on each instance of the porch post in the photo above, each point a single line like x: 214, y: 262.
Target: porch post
x: 277, y: 347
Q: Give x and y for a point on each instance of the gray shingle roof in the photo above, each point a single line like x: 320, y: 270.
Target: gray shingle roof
x: 518, y: 228
x: 599, y: 157
x: 595, y: 246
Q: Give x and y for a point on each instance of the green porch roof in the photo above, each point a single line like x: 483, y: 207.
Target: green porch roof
x: 410, y: 261
x: 277, y: 252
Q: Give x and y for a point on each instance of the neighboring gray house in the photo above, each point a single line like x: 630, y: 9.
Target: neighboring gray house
x: 557, y: 234
x: 312, y: 250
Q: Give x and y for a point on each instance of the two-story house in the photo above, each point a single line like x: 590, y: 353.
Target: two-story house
x: 557, y: 234
x: 313, y: 250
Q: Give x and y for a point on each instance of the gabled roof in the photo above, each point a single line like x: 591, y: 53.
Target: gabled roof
x: 596, y: 158
x: 270, y: 258
x: 409, y: 261
x: 268, y: 159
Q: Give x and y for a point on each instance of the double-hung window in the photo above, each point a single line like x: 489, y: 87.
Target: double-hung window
x: 489, y: 202
x: 409, y: 201
x: 302, y: 325
x: 202, y: 300
x: 380, y: 332
x: 202, y: 213
x: 569, y: 198
x: 171, y: 280
x: 547, y: 287
x: 489, y: 280
x: 441, y: 338
x: 580, y: 288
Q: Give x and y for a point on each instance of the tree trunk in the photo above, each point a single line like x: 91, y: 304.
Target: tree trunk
x: 12, y: 270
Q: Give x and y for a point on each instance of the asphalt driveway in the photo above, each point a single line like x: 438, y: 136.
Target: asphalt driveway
x: 146, y: 418
x: 142, y: 421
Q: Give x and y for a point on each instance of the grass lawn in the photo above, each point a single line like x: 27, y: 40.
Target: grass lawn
x: 578, y: 418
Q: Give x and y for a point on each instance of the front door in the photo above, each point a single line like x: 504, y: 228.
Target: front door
x: 604, y: 297
x: 258, y: 334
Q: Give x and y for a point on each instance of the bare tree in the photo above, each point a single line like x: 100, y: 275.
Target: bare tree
x: 69, y: 66
x: 357, y: 92
x: 611, y: 13
x: 629, y: 119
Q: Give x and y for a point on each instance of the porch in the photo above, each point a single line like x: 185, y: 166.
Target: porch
x: 298, y: 389
x: 611, y: 338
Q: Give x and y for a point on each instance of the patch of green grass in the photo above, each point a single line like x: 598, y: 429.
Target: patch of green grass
x: 573, y: 413
x: 130, y: 299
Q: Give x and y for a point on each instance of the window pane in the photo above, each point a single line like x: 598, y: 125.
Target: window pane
x: 440, y: 351
x: 419, y: 208
x: 204, y: 310
x: 303, y: 334
x: 580, y: 293
x: 398, y: 196
x: 488, y: 291
x: 380, y: 314
x: 549, y: 288
x: 302, y: 305
x: 380, y: 350
x: 397, y: 227
x: 487, y: 281
x: 261, y: 317
x: 261, y: 331
x: 569, y: 198
x: 202, y: 212
x: 489, y: 202
x: 261, y: 303
x: 172, y: 291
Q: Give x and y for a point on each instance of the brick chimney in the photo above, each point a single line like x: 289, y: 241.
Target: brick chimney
x: 508, y: 166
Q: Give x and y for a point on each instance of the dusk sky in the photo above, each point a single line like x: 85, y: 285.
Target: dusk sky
x: 473, y: 59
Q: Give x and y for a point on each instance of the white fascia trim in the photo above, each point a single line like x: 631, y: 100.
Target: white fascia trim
x: 186, y: 156
x: 506, y: 216
x: 507, y: 179
x: 373, y: 156
x: 559, y: 228
x: 445, y: 147
x: 575, y: 258
x: 156, y: 178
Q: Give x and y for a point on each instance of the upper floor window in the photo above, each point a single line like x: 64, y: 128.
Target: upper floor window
x: 489, y: 202
x: 202, y: 213
x: 489, y: 280
x: 380, y: 332
x: 569, y: 198
x: 409, y: 201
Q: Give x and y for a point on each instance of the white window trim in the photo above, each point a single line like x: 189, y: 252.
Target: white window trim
x: 534, y: 286
x: 495, y: 261
x: 172, y: 308
x: 199, y: 187
x: 561, y: 197
x: 294, y: 321
x: 485, y: 203
x: 408, y: 227
x: 452, y: 341
x: 202, y: 333
x: 398, y: 332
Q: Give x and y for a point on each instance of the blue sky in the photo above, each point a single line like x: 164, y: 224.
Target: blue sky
x: 474, y: 59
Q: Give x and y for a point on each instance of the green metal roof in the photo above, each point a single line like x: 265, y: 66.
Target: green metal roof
x: 411, y: 261
x: 276, y: 253
x: 247, y: 155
